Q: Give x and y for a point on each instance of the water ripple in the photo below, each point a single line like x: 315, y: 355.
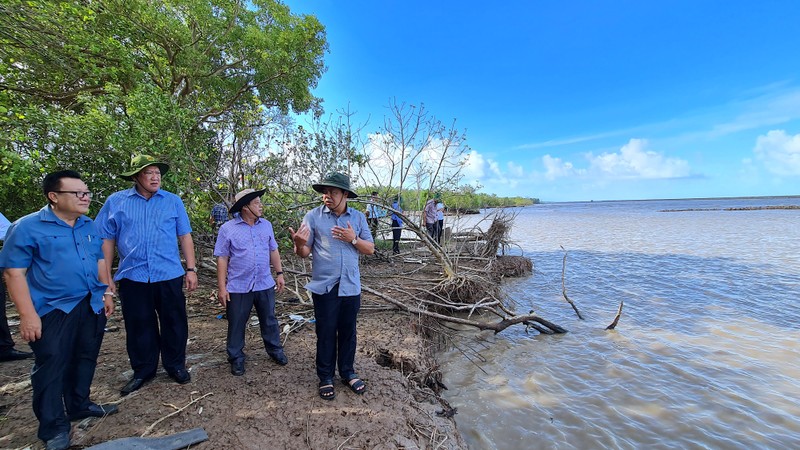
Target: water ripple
x: 706, y: 354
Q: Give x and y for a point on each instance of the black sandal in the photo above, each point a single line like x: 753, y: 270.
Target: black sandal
x: 356, y: 385
x: 326, y: 391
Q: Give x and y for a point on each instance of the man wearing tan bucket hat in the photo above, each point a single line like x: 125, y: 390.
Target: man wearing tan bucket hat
x: 244, y: 249
x: 142, y: 223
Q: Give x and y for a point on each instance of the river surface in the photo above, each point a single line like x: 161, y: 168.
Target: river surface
x: 706, y: 354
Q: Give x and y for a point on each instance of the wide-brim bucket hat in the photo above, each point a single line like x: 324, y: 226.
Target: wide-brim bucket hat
x: 244, y: 197
x: 139, y: 162
x: 337, y: 180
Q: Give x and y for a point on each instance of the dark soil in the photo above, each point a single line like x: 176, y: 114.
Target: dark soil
x: 270, y: 406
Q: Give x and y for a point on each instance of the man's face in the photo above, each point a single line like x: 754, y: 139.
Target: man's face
x: 255, y: 207
x: 149, y: 179
x: 332, y: 197
x: 68, y: 202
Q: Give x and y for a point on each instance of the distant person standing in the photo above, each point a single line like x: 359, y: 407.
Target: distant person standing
x: 244, y: 246
x: 374, y: 214
x: 440, y: 220
x: 144, y: 223
x: 219, y: 215
x: 56, y: 274
x: 429, y: 213
x: 7, y: 350
x: 397, y: 226
x: 335, y: 234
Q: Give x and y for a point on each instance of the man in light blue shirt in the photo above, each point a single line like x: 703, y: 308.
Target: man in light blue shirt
x: 7, y: 350
x: 335, y: 234
x: 56, y: 275
x: 439, y: 220
x: 143, y: 223
x: 374, y: 213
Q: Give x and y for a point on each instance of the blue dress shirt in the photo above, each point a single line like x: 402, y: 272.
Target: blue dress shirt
x: 146, y: 233
x: 395, y: 217
x: 61, y: 260
x: 4, y: 224
x: 335, y: 261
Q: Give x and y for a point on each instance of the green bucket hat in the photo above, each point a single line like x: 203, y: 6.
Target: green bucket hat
x: 139, y: 162
x: 337, y: 180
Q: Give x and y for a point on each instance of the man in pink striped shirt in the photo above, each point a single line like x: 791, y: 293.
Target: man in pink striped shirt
x: 245, y: 248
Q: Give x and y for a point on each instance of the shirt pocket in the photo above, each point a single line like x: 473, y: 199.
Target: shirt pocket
x: 57, y: 247
x: 93, y: 246
x: 263, y: 241
x: 169, y: 223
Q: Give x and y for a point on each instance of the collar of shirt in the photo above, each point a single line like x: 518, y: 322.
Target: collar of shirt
x: 237, y: 219
x: 346, y: 212
x: 46, y: 214
x: 132, y: 191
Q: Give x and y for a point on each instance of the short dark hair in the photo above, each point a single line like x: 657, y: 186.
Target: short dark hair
x: 52, y: 181
x: 374, y: 192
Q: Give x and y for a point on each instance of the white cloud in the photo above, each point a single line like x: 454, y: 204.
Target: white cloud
x: 779, y: 152
x: 474, y: 168
x: 634, y: 160
x: 489, y: 172
x: 515, y: 169
x: 556, y: 168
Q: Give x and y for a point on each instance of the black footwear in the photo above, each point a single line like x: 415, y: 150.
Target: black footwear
x: 94, y: 411
x: 326, y: 391
x: 280, y: 358
x: 59, y: 442
x: 135, y: 384
x: 237, y: 368
x: 181, y: 376
x: 15, y: 355
x: 356, y: 385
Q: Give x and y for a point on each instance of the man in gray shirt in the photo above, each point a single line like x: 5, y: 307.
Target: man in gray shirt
x: 335, y: 234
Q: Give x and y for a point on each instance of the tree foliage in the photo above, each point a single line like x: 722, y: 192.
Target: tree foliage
x: 87, y: 84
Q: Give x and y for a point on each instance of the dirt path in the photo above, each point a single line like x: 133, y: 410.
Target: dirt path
x: 270, y: 406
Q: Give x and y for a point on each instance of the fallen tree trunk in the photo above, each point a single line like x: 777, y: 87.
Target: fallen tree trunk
x: 494, y: 326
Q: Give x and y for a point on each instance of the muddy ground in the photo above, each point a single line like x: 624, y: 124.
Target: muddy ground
x: 270, y: 406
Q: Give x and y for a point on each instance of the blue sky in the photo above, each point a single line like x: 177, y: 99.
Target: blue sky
x: 585, y: 100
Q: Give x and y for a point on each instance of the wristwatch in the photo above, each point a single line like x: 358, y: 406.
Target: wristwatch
x: 191, y: 269
x: 354, y: 241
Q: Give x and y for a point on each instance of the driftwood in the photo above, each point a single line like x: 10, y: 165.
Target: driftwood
x: 564, y: 284
x: 616, y: 319
x: 494, y: 326
x: 177, y: 411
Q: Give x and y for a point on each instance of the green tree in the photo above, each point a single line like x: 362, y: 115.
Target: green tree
x: 86, y: 84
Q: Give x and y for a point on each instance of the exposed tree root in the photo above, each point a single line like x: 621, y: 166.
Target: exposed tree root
x: 497, y: 327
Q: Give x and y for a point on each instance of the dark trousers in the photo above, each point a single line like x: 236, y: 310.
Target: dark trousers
x: 144, y: 307
x: 439, y: 231
x: 65, y: 359
x: 336, y: 333
x: 431, y: 227
x: 6, y: 343
x: 397, y: 230
x: 238, y: 313
x: 373, y: 226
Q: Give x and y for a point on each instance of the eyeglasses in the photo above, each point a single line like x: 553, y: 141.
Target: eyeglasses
x: 78, y: 194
